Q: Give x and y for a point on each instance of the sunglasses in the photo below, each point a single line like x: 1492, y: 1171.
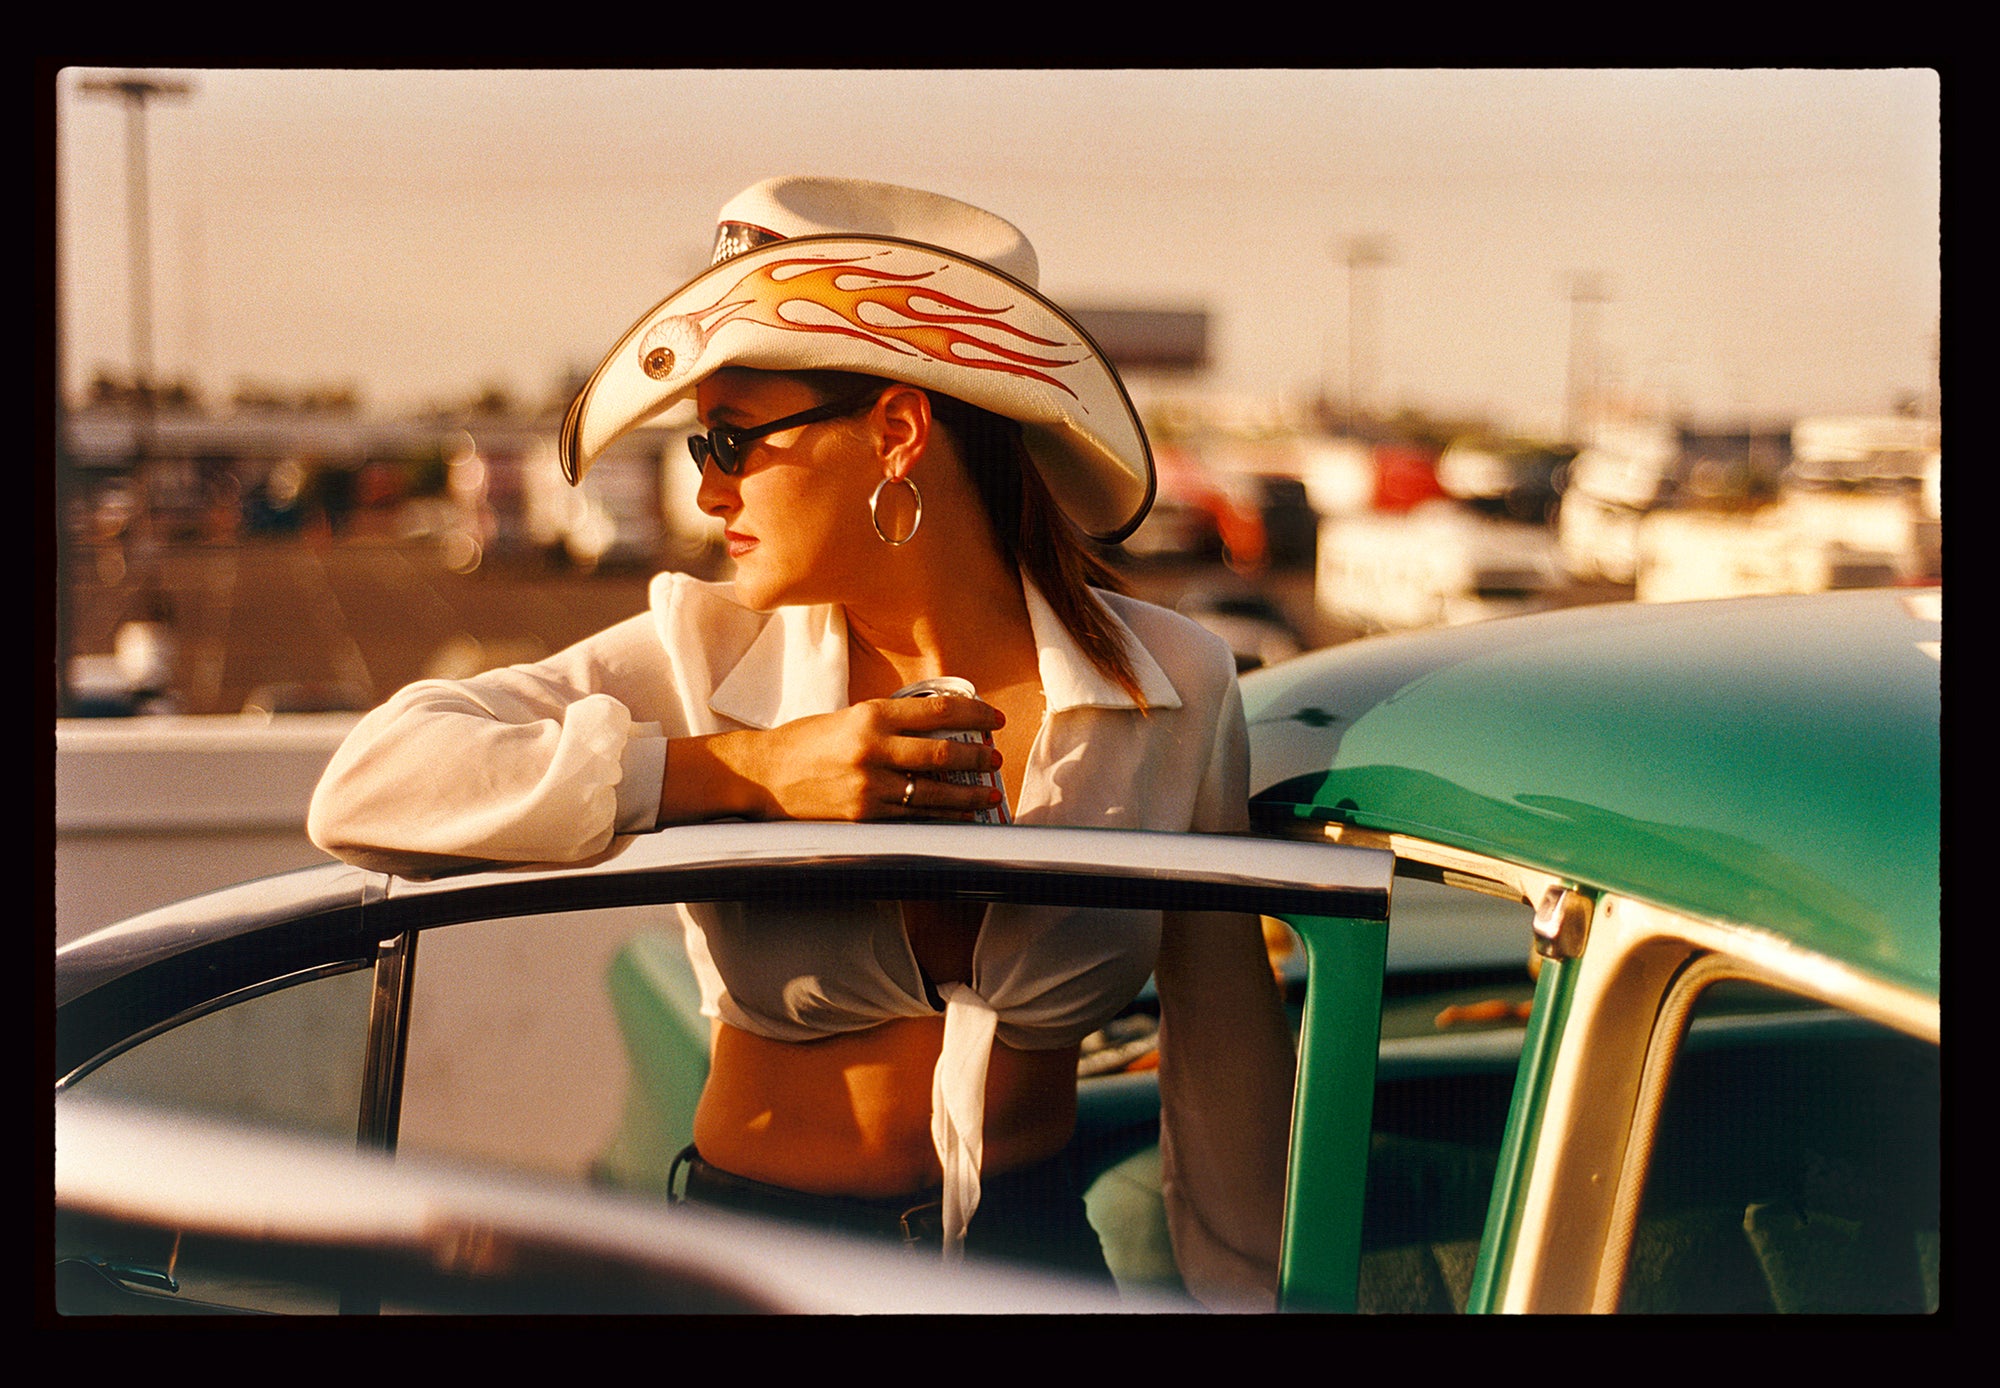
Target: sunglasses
x: 727, y: 445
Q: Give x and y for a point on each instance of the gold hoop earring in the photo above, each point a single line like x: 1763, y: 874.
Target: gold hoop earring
x: 875, y: 510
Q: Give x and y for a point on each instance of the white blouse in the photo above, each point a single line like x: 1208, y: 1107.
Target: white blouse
x: 547, y: 762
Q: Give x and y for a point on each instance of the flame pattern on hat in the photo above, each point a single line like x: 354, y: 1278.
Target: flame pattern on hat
x: 762, y: 296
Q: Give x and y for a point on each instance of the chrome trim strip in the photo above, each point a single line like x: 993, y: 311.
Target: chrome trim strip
x: 1456, y: 867
x: 1031, y: 863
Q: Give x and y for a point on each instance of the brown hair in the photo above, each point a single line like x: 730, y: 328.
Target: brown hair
x: 1030, y: 529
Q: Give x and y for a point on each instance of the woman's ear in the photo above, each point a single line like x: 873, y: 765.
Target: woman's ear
x: 903, y: 419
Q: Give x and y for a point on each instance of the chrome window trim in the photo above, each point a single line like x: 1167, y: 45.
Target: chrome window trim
x: 1454, y: 867
x: 1662, y: 1052
x: 1047, y: 865
x: 388, y: 1041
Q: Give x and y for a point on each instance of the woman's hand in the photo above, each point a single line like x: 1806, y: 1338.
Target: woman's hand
x: 871, y: 760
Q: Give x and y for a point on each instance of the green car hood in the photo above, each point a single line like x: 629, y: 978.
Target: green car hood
x: 1766, y: 761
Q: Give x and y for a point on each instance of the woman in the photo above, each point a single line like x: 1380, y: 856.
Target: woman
x: 905, y: 444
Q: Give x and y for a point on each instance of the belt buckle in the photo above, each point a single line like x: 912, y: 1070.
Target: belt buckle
x: 923, y: 1224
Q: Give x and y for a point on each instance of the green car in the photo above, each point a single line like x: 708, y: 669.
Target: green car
x: 1718, y: 823
x: 1611, y: 936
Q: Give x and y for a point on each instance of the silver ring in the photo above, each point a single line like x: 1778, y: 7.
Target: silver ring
x: 909, y: 789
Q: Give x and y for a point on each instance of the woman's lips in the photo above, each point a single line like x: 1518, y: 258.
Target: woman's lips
x: 739, y: 545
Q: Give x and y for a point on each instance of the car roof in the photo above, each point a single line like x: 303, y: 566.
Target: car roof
x: 1767, y: 761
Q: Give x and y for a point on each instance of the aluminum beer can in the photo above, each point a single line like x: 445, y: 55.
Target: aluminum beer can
x: 951, y: 684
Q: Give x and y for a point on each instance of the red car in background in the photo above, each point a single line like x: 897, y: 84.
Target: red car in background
x: 1405, y: 476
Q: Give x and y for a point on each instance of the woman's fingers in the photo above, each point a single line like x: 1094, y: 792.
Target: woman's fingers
x: 937, y: 756
x: 915, y: 795
x: 931, y: 774
x: 884, y: 759
x: 939, y: 713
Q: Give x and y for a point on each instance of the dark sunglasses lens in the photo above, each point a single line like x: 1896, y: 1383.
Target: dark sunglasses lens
x: 723, y: 447
x: 714, y: 444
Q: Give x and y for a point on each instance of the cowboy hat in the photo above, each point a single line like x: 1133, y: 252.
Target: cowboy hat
x: 847, y: 275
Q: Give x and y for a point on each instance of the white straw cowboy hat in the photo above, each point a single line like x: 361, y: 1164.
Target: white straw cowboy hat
x: 847, y: 275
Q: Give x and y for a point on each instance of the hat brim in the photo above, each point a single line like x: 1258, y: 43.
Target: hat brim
x: 904, y: 310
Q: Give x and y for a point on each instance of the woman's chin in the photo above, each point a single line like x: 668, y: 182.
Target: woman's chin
x: 758, y: 592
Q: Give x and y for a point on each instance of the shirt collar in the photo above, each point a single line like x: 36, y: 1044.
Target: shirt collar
x: 797, y: 667
x: 1069, y: 680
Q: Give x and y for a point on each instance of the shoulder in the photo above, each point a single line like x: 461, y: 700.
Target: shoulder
x: 1194, y: 658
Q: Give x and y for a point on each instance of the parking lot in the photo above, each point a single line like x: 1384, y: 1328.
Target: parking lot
x: 315, y: 622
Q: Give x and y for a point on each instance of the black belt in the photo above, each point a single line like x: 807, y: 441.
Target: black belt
x: 916, y: 1219
x: 1033, y: 1213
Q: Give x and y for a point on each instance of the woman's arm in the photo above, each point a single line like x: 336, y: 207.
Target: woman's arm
x: 853, y: 764
x: 546, y: 762
x: 1226, y: 1074
x: 532, y: 763
x: 1226, y: 1057
x: 501, y: 767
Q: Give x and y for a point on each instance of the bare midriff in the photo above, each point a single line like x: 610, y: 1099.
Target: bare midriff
x: 851, y: 1114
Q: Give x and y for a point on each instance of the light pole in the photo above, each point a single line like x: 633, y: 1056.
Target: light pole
x: 1586, y: 295
x: 1364, y: 313
x: 135, y: 90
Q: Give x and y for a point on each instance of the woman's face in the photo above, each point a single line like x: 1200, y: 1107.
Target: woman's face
x: 795, y: 515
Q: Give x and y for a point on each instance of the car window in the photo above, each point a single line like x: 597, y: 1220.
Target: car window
x: 516, y: 1054
x: 1794, y: 1166
x: 291, y: 1058
x: 1454, y: 1011
x: 573, y: 1046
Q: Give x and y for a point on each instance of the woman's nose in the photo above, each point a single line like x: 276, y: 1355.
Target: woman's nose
x: 717, y: 493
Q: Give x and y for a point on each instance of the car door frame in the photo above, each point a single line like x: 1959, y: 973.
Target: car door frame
x: 146, y: 975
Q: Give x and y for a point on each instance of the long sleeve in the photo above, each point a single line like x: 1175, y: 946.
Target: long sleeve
x: 533, y: 763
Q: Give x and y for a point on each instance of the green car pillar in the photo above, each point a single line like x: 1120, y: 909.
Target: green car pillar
x: 1332, y: 1111
x: 1553, y: 988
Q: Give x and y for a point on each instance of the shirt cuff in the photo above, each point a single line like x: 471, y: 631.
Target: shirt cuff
x: 643, y: 770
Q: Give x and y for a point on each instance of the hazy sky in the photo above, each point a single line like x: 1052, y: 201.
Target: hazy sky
x: 1767, y: 239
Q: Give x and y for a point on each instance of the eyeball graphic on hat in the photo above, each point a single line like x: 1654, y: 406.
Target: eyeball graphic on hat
x: 847, y: 275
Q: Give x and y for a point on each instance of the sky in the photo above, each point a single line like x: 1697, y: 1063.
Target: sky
x: 1759, y: 244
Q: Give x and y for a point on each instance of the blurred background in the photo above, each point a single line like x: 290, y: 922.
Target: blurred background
x: 1413, y: 347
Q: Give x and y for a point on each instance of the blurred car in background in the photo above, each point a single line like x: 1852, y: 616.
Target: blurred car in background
x: 1507, y: 479
x: 1630, y: 471
x: 1441, y: 564
x: 1857, y: 507
x: 1195, y: 516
